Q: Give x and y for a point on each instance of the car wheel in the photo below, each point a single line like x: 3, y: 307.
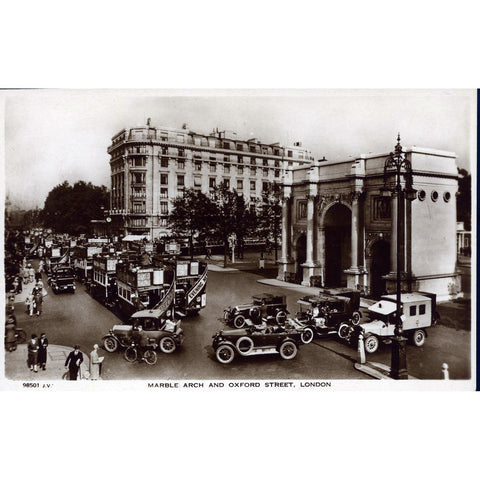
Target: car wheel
x: 371, y: 344
x: 343, y: 330
x: 281, y: 316
x: 167, y: 345
x: 130, y: 354
x: 239, y: 321
x: 150, y: 357
x: 244, y: 345
x: 355, y: 318
x: 288, y: 350
x: 110, y: 344
x: 418, y: 338
x: 307, y: 335
x: 225, y: 354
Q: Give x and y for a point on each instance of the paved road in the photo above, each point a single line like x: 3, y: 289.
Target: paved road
x: 78, y: 318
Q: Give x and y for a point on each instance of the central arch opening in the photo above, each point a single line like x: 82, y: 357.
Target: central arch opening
x: 337, y: 222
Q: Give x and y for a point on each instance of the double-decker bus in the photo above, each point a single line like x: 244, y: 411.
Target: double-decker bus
x: 142, y: 287
x: 103, y: 282
x: 83, y: 261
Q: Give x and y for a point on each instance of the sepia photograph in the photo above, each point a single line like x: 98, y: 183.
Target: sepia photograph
x: 294, y: 239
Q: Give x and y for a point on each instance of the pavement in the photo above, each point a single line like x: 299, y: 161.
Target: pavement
x: 16, y: 367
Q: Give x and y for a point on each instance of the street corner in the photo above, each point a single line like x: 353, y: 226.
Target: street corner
x: 16, y: 367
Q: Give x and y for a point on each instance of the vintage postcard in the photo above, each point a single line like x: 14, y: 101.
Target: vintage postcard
x: 253, y: 239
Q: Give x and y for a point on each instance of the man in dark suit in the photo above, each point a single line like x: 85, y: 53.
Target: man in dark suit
x: 42, y: 351
x: 74, y: 359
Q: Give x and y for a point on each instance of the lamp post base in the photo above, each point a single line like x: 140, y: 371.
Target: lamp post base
x: 398, y: 369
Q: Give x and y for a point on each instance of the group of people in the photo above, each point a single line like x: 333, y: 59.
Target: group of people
x: 37, y: 352
x: 75, y: 359
x: 34, y: 301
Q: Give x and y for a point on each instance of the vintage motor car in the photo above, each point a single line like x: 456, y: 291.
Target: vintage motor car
x: 165, y: 332
x: 62, y: 279
x: 251, y: 341
x: 262, y: 306
x: 323, y: 314
x: 419, y: 314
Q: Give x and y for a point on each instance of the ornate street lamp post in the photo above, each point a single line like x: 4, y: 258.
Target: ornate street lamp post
x: 398, y: 167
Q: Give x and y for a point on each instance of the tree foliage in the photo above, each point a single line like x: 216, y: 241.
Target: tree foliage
x: 269, y: 215
x: 191, y: 216
x: 69, y: 209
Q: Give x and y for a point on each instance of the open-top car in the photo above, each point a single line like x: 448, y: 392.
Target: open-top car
x: 262, y: 306
x: 251, y: 341
x: 324, y: 314
x: 166, y: 333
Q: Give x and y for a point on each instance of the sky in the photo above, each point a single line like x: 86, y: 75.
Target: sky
x: 55, y: 135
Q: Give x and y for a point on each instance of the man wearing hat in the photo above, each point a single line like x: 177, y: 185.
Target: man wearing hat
x: 74, y: 359
x: 42, y: 351
x: 32, y: 349
x: 37, y: 294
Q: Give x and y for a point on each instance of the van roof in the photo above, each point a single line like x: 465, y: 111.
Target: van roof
x: 407, y: 297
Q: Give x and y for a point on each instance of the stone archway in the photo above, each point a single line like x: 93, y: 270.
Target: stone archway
x: 380, y: 266
x: 337, y: 222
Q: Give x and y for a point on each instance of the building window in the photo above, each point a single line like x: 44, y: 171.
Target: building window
x: 226, y: 168
x: 265, y: 162
x: 212, y: 182
x: 213, y: 167
x: 198, y: 166
x: 239, y: 184
x: 240, y: 147
x: 265, y: 186
x: 139, y: 207
x: 226, y: 158
x: 240, y: 169
x: 226, y: 182
x: 181, y: 164
x: 277, y: 164
x: 289, y: 153
x: 253, y: 148
x: 164, y: 179
x: 381, y: 208
x: 301, y: 209
x: 253, y: 185
x: 164, y: 150
x: 277, y: 173
x: 253, y: 170
x: 138, y: 177
x: 164, y: 162
x: 240, y: 159
x: 265, y: 172
x: 197, y: 181
x: 164, y: 193
x: 181, y: 152
x: 181, y: 180
x: 139, y: 162
x: 164, y: 208
x: 253, y: 161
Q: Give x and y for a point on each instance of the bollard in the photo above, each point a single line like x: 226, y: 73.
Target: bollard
x: 446, y: 375
x: 361, y: 349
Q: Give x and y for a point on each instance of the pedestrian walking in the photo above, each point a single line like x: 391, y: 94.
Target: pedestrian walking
x: 42, y: 351
x: 95, y: 363
x: 31, y: 273
x: 37, y: 294
x: 32, y: 348
x: 208, y: 254
x: 73, y: 362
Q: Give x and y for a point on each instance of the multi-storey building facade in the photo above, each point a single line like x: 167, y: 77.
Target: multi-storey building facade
x: 152, y: 165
